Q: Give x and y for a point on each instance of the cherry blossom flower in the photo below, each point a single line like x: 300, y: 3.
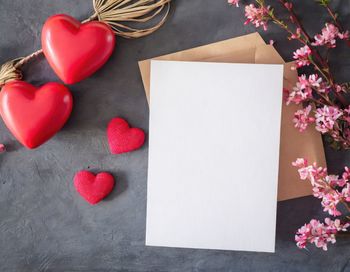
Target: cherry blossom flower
x: 339, y: 88
x: 330, y: 201
x: 300, y: 162
x: 297, y: 34
x: 319, y: 233
x: 301, y: 56
x: 326, y: 118
x: 344, y: 36
x: 234, y: 2
x: 302, y: 119
x: 303, y: 88
x: 310, y: 172
x: 258, y: 16
x: 328, y: 36
x: 299, y: 94
x: 346, y: 174
x: 334, y: 181
x: 336, y: 225
x: 288, y: 5
x: 346, y: 192
x: 2, y: 148
x: 319, y: 190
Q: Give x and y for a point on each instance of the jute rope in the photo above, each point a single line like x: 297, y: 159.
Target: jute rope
x: 118, y: 14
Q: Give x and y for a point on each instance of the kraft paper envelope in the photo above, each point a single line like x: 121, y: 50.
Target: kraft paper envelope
x: 251, y: 48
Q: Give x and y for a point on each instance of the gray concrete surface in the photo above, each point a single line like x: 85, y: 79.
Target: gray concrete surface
x: 46, y: 226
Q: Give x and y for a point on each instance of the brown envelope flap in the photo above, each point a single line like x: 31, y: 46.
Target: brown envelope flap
x: 242, y: 48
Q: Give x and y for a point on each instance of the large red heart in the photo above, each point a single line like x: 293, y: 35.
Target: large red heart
x: 93, y: 188
x: 34, y: 115
x: 74, y: 50
x: 122, y: 138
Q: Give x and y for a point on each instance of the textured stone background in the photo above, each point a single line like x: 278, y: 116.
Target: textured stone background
x: 45, y: 226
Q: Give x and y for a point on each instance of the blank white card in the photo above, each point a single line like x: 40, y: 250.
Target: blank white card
x: 213, y: 155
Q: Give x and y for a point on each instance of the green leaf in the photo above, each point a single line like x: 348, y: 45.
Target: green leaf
x: 323, y: 2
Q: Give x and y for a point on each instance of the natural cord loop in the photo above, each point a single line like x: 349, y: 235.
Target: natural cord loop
x: 118, y: 14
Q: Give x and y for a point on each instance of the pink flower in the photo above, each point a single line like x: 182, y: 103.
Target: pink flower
x: 301, y: 118
x: 299, y: 94
x: 339, y: 88
x: 346, y: 174
x: 303, y: 89
x: 326, y: 118
x: 2, y: 148
x: 288, y: 5
x: 344, y: 36
x: 316, y: 82
x: 297, y: 34
x: 310, y: 172
x: 257, y: 16
x: 330, y: 201
x: 335, y: 225
x: 334, y: 181
x: 234, y: 2
x: 301, y: 56
x: 300, y: 162
x: 319, y: 190
x: 346, y: 192
x: 319, y: 233
x: 329, y: 35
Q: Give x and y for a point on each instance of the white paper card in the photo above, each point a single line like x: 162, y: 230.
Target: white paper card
x: 213, y: 155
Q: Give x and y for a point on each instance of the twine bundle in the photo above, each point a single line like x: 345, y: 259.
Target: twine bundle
x: 118, y: 14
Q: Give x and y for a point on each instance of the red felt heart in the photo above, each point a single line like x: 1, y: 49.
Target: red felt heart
x: 93, y: 188
x: 34, y: 115
x: 75, y: 50
x: 122, y: 138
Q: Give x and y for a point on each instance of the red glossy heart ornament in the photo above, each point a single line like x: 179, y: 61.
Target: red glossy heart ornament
x: 75, y: 50
x: 34, y: 115
x: 122, y: 138
x: 93, y: 188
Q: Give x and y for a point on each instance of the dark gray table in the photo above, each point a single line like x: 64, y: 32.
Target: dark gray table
x: 46, y: 226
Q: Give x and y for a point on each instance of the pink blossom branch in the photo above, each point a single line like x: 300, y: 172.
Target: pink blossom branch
x: 332, y: 190
x: 336, y: 21
x: 324, y: 63
x: 332, y: 114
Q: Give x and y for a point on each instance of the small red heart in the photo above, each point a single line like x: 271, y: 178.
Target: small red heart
x: 75, y: 50
x: 34, y: 115
x: 122, y: 138
x: 93, y: 188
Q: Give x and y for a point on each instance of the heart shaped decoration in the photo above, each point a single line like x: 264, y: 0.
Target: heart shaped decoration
x: 93, y: 188
x: 76, y: 50
x: 34, y: 115
x: 122, y: 138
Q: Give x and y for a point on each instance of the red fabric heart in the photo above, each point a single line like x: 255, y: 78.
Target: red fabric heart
x: 34, y: 115
x: 93, y: 188
x: 122, y: 138
x: 74, y: 50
